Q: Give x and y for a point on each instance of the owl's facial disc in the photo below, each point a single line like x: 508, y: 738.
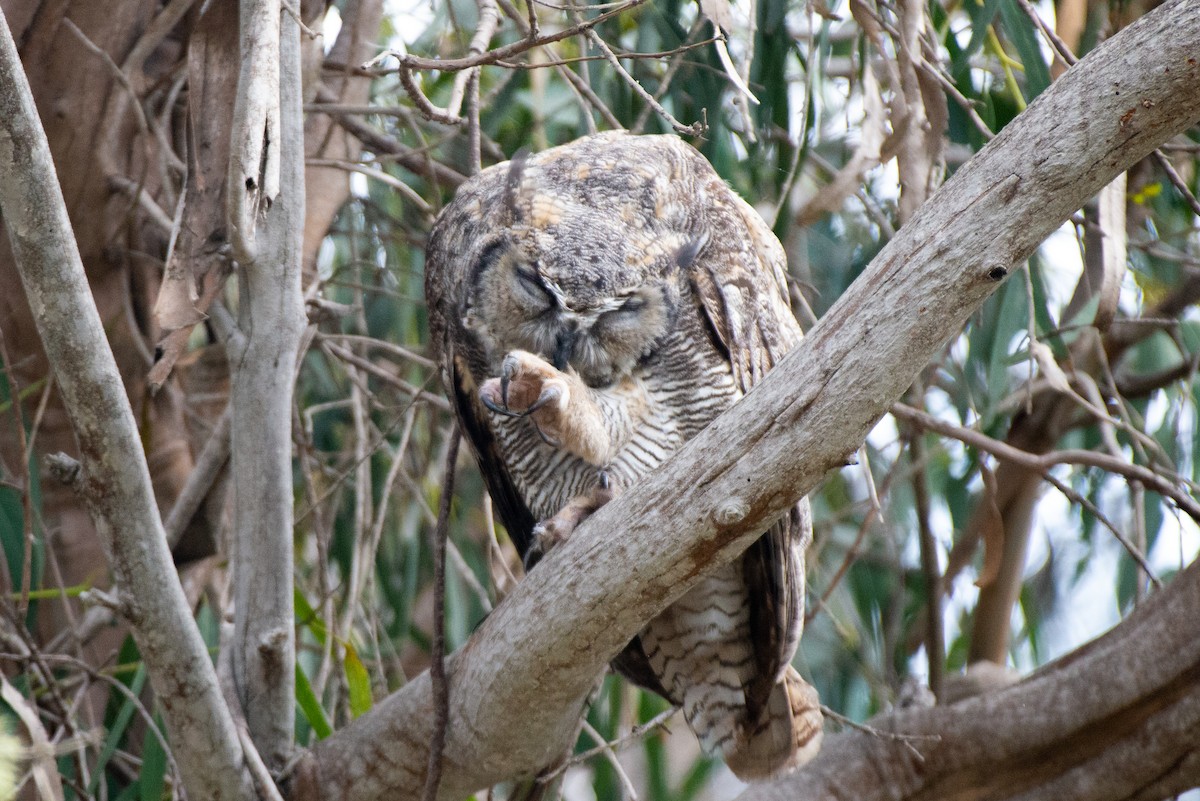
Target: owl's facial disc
x: 625, y: 331
x: 600, y: 333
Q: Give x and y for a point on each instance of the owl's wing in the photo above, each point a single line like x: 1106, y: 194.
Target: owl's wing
x: 454, y: 248
x: 750, y: 319
x: 514, y: 514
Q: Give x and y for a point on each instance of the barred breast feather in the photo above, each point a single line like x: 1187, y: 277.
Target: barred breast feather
x: 649, y: 298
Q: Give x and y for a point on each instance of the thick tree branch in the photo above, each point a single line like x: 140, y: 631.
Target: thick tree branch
x: 533, y: 660
x: 115, y: 480
x: 1054, y: 735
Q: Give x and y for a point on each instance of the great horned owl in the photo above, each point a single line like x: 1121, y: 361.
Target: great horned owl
x: 594, y: 307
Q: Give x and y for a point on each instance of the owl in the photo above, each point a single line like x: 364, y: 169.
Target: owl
x: 593, y: 307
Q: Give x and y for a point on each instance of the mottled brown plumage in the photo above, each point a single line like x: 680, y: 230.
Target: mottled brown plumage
x: 594, y: 307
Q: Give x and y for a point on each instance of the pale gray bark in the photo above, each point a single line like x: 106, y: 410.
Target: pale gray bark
x: 517, y: 686
x: 115, y: 480
x: 266, y: 218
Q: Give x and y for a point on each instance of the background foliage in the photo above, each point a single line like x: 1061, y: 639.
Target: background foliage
x: 822, y: 155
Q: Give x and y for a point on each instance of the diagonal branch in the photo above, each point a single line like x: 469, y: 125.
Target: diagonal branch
x: 532, y: 661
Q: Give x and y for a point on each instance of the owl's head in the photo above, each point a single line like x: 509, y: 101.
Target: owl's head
x: 587, y: 274
x: 579, y: 308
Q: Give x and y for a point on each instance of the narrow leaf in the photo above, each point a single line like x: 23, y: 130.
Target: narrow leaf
x: 358, y: 681
x: 310, y: 707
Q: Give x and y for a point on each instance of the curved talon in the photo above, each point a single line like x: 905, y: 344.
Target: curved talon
x: 548, y: 394
x: 602, y: 477
x: 553, y: 443
x: 498, y: 409
x: 505, y: 377
x: 535, y: 552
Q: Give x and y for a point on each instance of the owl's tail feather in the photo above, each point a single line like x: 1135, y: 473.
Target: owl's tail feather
x: 787, y: 736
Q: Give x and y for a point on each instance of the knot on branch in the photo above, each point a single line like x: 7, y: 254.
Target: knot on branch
x: 996, y: 271
x: 731, y: 512
x: 66, y: 470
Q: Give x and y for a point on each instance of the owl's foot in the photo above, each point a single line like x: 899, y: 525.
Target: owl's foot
x: 557, y: 403
x: 555, y: 531
x: 526, y: 384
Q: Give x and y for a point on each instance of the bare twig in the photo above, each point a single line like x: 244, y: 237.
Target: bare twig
x: 489, y: 17
x: 1057, y: 44
x: 496, y: 558
x: 1177, y: 181
x: 1043, y: 462
x: 384, y: 345
x: 417, y: 392
x: 935, y: 647
x: 632, y: 55
x: 412, y: 63
x: 863, y: 528
x: 610, y: 756
x: 437, y: 667
x: 208, y: 466
x: 137, y: 192
x: 577, y: 83
x: 695, y: 129
x: 636, y: 733
x: 41, y: 762
x: 672, y: 69
x: 906, y: 740
x: 376, y: 174
x: 382, y: 144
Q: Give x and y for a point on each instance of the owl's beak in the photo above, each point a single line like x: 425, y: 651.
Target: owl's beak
x: 564, y: 344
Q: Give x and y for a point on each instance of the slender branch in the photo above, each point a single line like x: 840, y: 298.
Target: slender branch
x: 409, y: 62
x: 416, y: 392
x: 672, y: 69
x: 576, y: 81
x: 212, y: 459
x: 632, y: 55
x: 636, y: 733
x: 1177, y: 181
x: 378, y: 175
x: 382, y: 144
x: 1042, y: 463
x: 935, y: 637
x: 437, y: 668
x: 695, y: 129
x: 262, y: 365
